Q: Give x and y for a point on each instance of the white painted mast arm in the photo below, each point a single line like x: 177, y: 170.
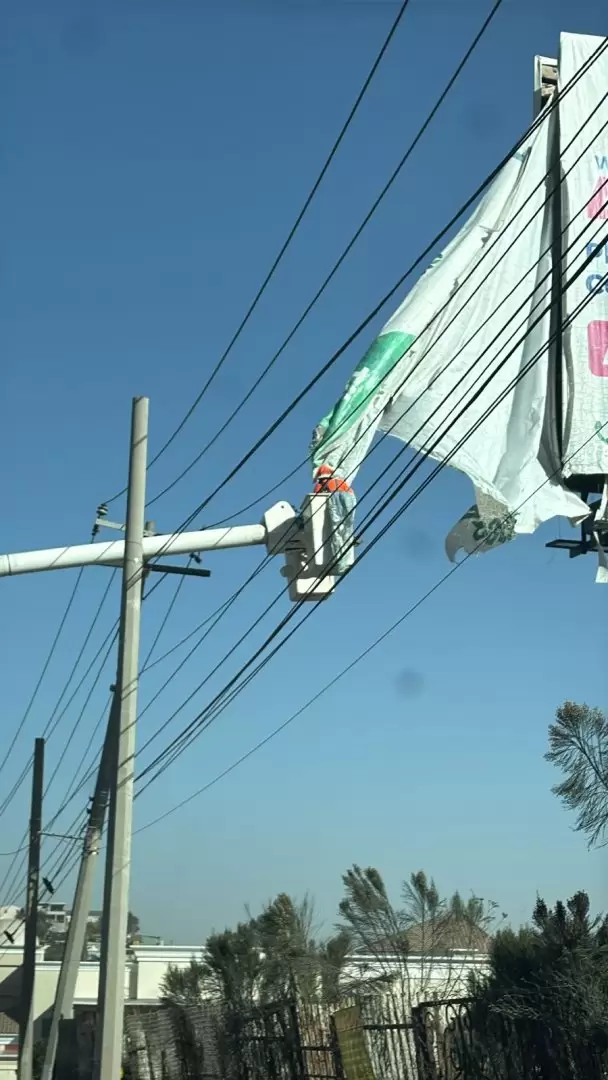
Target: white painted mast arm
x: 300, y: 537
x: 112, y: 554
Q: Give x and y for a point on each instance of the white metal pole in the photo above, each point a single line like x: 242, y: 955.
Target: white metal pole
x: 113, y: 553
x: 110, y: 1020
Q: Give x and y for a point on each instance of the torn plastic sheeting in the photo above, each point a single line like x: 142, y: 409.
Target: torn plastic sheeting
x: 427, y: 363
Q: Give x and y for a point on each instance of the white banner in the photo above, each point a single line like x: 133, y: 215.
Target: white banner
x: 585, y: 223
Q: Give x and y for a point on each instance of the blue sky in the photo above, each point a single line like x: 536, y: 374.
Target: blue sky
x: 153, y: 158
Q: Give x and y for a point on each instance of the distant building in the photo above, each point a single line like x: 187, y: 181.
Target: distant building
x: 57, y: 916
x: 10, y: 923
x: 146, y: 968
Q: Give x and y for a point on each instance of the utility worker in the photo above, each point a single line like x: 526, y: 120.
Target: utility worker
x: 326, y: 481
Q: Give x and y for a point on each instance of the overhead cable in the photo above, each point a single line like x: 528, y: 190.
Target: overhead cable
x: 558, y: 97
x: 180, y: 742
x: 398, y: 390
x: 284, y: 247
x: 396, y: 172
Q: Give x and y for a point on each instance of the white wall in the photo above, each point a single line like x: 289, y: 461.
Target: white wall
x: 146, y: 968
x: 420, y: 978
x: 150, y: 963
x: 8, y: 1067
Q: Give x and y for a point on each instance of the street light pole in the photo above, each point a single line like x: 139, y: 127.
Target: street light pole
x: 109, y: 1035
x: 299, y: 538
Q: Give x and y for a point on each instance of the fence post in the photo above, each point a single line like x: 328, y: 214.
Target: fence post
x: 298, y: 1049
x: 335, y: 1049
x: 425, y: 1060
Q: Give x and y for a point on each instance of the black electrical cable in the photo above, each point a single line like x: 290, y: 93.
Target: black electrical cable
x: 59, y: 866
x: 110, y: 638
x: 443, y: 463
x: 576, y: 78
x: 163, y: 624
x: 539, y: 120
x: 398, y: 390
x: 295, y: 402
x: 51, y: 728
x: 9, y: 889
x: 286, y: 243
x: 305, y: 461
x: 72, y: 790
x: 187, y: 637
x: 447, y: 89
x: 45, y: 668
x: 344, y: 671
x: 188, y: 733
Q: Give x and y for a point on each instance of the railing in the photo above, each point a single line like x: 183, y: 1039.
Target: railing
x: 282, y: 1041
x: 363, y: 1040
x: 460, y: 1040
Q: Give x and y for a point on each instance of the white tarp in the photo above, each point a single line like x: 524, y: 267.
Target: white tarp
x: 585, y: 221
x: 489, y: 290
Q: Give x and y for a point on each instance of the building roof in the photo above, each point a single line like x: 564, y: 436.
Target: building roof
x: 444, y: 937
x: 8, y: 1026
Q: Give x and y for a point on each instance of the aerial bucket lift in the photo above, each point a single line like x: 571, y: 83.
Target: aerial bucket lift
x: 301, y: 538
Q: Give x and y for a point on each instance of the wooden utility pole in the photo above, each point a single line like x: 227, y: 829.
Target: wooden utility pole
x: 28, y: 970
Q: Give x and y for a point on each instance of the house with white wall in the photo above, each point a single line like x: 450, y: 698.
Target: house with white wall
x: 433, y: 963
x: 146, y: 968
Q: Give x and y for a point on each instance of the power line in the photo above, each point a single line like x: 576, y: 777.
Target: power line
x: 45, y: 667
x: 425, y: 483
x: 280, y: 626
x: 397, y: 393
x: 19, y: 871
x: 189, y: 733
x: 58, y: 867
x: 165, y: 619
x: 336, y: 355
x: 579, y: 74
x: 51, y: 727
x: 344, y: 254
x: 539, y: 120
x: 286, y: 244
x: 345, y: 671
x: 305, y: 461
x: 72, y: 790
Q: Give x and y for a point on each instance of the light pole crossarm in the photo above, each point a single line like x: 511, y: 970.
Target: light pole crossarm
x: 302, y: 538
x: 112, y: 554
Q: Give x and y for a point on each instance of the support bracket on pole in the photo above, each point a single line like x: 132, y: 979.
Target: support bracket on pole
x: 185, y: 571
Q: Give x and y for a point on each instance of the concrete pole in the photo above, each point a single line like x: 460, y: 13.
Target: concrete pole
x: 28, y: 971
x: 110, y: 1019
x: 66, y: 986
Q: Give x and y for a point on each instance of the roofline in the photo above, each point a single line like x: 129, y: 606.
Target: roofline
x: 473, y: 954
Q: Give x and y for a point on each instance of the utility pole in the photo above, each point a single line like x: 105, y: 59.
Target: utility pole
x: 109, y: 1035
x: 66, y: 987
x: 28, y: 970
x: 300, y: 537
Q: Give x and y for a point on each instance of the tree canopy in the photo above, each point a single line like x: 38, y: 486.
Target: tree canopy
x: 578, y: 747
x: 548, y: 984
x: 277, y: 954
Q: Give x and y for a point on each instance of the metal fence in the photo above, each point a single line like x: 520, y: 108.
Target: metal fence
x: 367, y: 1040
x: 364, y: 1040
x: 456, y: 1040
